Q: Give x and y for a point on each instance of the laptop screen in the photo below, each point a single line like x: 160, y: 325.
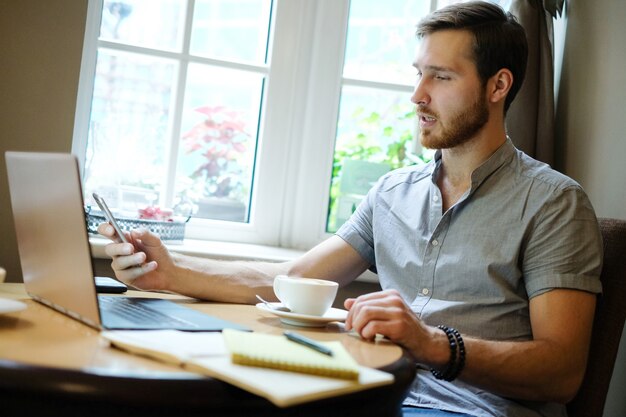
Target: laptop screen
x: 51, y: 232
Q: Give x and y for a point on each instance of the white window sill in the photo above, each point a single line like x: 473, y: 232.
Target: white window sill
x: 225, y: 250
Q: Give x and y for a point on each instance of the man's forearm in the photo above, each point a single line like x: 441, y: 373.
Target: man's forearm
x: 227, y: 281
x: 239, y: 281
x: 532, y: 370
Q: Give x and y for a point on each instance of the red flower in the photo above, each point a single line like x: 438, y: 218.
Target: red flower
x: 155, y: 213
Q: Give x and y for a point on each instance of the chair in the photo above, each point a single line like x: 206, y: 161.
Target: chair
x: 608, y: 323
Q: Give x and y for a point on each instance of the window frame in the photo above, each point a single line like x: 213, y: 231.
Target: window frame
x: 298, y: 123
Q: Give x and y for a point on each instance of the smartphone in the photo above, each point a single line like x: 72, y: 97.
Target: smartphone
x: 110, y: 285
x: 109, y: 216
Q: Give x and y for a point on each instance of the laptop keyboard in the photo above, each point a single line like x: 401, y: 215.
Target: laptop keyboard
x: 133, y: 310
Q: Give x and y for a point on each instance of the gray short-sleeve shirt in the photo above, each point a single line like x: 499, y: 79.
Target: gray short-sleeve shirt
x: 520, y: 230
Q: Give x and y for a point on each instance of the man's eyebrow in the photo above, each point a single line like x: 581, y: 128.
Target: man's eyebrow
x: 433, y: 68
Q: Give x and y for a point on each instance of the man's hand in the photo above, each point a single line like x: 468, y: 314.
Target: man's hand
x: 387, y: 314
x: 144, y: 263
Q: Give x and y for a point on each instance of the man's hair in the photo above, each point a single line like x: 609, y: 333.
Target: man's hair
x: 499, y: 40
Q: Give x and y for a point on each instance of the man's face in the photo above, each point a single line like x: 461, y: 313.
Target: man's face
x: 451, y: 101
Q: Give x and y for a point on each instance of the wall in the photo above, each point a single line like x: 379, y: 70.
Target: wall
x: 591, y: 125
x: 40, y: 50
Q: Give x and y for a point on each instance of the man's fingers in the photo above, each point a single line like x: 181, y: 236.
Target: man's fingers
x: 121, y: 263
x: 145, y: 238
x: 129, y: 275
x: 378, y: 295
x: 118, y: 249
x: 361, y: 315
x: 106, y: 230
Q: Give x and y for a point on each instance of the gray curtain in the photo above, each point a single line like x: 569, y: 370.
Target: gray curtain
x: 530, y: 119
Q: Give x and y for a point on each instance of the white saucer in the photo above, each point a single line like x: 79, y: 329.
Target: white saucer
x: 304, y: 320
x: 11, y: 306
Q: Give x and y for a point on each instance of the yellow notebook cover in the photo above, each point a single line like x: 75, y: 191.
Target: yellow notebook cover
x: 277, y: 352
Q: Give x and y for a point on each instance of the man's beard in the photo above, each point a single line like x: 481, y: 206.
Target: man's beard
x: 461, y: 127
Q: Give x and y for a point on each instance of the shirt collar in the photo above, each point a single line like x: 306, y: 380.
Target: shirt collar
x: 495, y: 161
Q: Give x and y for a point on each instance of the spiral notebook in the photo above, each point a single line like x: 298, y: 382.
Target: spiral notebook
x: 214, y: 355
x: 277, y: 352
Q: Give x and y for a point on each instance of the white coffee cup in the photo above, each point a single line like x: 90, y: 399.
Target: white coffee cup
x: 3, y: 274
x: 308, y: 296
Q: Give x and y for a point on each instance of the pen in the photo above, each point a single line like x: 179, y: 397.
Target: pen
x: 305, y: 341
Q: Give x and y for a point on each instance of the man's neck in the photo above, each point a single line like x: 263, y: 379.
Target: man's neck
x: 457, y: 164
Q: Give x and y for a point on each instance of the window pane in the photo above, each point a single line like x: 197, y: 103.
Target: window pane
x: 381, y: 40
x: 126, y: 148
x: 231, y: 29
x: 149, y: 23
x: 374, y: 135
x: 218, y: 142
x: 376, y: 128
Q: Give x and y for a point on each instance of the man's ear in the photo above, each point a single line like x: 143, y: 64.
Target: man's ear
x: 499, y: 85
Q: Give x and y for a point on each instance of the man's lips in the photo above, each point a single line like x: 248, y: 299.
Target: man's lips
x: 426, y: 117
x: 426, y: 120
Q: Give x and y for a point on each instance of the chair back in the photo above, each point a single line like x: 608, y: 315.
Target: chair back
x: 608, y: 323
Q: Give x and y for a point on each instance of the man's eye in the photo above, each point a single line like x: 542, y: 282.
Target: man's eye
x: 441, y: 77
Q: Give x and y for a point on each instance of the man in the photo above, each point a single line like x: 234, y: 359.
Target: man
x: 499, y: 250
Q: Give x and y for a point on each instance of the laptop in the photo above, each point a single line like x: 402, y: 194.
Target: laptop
x: 53, y: 244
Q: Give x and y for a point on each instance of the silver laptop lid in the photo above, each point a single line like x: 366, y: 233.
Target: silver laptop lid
x: 48, y: 211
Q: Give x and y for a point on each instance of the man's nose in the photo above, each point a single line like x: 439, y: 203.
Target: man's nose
x: 420, y: 95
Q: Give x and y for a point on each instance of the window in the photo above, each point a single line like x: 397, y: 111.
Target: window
x: 376, y: 124
x: 268, y: 120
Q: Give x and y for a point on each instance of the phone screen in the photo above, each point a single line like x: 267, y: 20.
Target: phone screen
x: 107, y: 213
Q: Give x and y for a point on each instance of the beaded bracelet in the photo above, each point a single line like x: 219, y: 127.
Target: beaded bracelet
x: 456, y: 364
x: 461, y: 363
x: 452, y: 342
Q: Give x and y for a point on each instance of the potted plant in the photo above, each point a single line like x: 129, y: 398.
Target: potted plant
x: 218, y: 147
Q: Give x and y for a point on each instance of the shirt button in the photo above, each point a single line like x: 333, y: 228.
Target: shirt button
x: 435, y: 242
x: 425, y: 291
x: 436, y: 198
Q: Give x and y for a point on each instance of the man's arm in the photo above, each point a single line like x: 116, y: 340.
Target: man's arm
x: 146, y: 263
x: 548, y: 368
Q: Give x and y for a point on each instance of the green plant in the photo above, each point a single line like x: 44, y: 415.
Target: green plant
x: 376, y: 138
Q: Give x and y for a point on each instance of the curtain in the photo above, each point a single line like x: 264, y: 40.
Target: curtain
x: 530, y: 119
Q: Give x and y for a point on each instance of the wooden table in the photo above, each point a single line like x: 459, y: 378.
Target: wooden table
x: 53, y: 365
